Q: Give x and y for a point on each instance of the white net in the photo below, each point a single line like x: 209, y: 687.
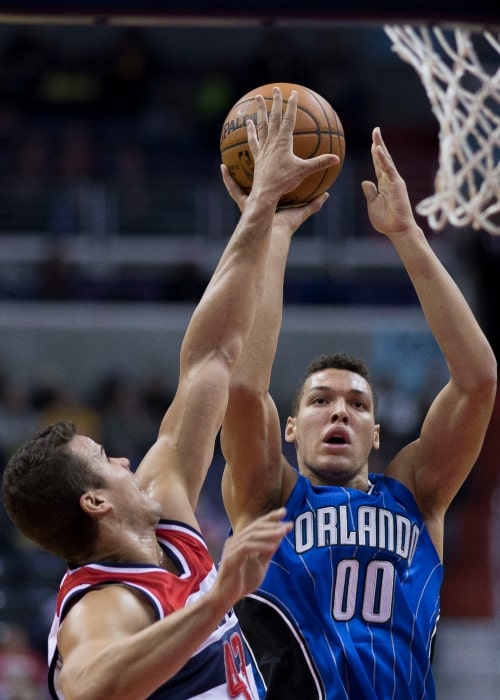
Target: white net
x: 460, y: 70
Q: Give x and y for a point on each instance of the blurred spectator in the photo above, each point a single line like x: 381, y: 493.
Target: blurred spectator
x: 128, y: 68
x: 62, y: 403
x: 25, y: 188
x: 133, y: 189
x: 126, y: 428
x: 76, y: 161
x: 276, y: 58
x: 400, y: 415
x: 57, y: 278
x: 157, y: 396
x: 215, y: 96
x: 186, y: 282
x: 69, y: 86
x: 23, y: 671
x: 17, y: 418
x: 75, y: 169
x: 23, y: 62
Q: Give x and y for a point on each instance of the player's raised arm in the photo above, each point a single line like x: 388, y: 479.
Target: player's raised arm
x: 254, y: 471
x: 223, y: 318
x: 435, y: 466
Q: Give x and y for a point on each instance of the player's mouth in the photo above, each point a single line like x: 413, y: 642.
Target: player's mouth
x: 337, y: 436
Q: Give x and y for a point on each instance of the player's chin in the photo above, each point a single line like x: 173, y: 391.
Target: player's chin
x: 329, y: 470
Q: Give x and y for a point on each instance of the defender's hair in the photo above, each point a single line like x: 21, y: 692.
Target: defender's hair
x: 42, y: 485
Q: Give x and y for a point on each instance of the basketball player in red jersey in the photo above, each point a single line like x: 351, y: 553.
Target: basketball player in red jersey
x: 141, y: 612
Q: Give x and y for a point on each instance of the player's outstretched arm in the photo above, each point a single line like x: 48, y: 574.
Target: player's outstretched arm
x: 435, y: 466
x: 176, y: 466
x: 252, y: 481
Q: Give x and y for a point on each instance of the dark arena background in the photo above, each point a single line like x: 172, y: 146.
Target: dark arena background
x: 113, y: 215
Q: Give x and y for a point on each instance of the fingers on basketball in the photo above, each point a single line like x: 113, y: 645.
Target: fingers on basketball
x: 318, y: 130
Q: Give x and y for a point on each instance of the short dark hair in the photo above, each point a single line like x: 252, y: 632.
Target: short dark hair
x: 339, y: 360
x: 42, y: 485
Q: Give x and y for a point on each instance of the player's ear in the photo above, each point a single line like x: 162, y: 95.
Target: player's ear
x: 376, y: 437
x: 94, y: 503
x: 290, y: 429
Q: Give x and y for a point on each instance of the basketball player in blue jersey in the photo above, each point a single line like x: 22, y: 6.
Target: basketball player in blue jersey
x: 350, y: 602
x: 141, y: 612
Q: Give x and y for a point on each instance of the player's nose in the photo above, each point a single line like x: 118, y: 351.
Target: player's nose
x: 338, y: 412
x: 122, y: 462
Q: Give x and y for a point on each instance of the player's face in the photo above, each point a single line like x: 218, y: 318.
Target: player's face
x: 122, y: 488
x: 334, y: 429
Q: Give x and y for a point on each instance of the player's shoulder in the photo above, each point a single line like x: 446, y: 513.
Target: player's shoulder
x: 115, y: 605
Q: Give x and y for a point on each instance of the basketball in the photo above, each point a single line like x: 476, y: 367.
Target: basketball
x: 317, y: 130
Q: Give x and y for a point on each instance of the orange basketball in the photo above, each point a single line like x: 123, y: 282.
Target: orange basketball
x: 317, y: 130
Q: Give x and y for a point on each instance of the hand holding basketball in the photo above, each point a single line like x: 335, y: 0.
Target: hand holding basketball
x: 317, y: 131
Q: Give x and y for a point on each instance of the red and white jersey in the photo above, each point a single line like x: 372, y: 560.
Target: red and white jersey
x: 220, y: 668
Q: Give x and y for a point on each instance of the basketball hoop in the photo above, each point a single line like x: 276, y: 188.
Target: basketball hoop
x: 460, y: 71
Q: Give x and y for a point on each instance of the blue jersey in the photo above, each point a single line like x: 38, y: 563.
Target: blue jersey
x: 350, y: 604
x: 220, y: 667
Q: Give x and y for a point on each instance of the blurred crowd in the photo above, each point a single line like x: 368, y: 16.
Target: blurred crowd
x: 95, y: 111
x: 117, y: 137
x: 23, y: 674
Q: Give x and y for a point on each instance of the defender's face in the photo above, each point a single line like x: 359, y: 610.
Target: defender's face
x: 334, y: 430
x: 122, y: 490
